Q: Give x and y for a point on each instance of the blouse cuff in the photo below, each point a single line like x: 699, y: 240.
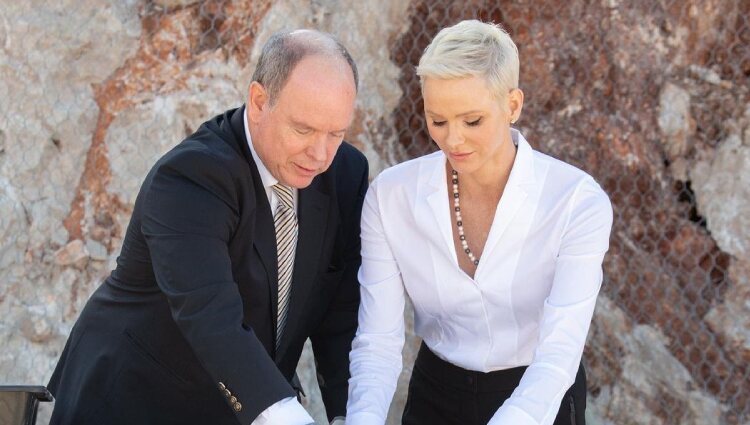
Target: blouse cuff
x: 364, y: 418
x: 511, y: 415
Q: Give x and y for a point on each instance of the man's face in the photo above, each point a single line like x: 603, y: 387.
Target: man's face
x: 298, y: 136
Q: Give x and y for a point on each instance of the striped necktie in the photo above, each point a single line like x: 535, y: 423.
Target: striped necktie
x: 285, y: 222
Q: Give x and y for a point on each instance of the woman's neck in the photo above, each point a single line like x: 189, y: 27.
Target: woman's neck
x: 491, y: 179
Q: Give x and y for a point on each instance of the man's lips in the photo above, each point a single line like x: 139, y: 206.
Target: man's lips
x: 306, y: 171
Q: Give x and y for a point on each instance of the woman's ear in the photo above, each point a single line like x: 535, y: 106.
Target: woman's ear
x: 515, y: 104
x: 257, y: 101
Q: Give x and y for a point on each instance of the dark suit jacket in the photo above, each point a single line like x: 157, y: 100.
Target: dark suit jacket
x: 191, y: 307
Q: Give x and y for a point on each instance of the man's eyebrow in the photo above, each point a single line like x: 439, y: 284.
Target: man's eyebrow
x: 305, y: 126
x: 301, y: 124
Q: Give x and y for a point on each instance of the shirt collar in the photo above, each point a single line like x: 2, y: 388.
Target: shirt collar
x: 521, y: 173
x: 265, y: 176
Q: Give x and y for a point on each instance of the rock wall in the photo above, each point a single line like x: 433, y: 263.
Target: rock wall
x: 653, y: 99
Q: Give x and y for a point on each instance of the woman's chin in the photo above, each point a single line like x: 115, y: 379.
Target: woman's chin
x: 462, y: 166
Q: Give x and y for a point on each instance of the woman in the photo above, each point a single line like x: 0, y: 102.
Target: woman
x: 498, y: 247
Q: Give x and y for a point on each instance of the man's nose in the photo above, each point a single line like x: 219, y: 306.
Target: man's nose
x: 317, y: 149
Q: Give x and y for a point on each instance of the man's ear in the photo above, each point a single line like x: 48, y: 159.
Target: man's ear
x: 257, y: 101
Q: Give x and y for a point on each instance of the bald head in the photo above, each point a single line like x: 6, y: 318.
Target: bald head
x: 284, y: 50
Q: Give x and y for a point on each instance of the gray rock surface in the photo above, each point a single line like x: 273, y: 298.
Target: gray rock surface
x: 722, y: 188
x: 648, y: 375
x: 675, y: 121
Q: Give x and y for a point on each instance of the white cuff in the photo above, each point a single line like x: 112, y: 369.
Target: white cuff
x: 364, y: 418
x: 512, y: 415
x: 284, y: 412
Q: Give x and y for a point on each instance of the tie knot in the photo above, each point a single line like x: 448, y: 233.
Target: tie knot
x: 286, y: 197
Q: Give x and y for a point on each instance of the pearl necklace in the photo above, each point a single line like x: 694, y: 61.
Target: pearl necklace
x: 459, y: 221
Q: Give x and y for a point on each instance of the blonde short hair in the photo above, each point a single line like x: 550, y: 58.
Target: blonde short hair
x: 472, y: 48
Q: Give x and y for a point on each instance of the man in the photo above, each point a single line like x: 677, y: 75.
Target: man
x: 244, y: 242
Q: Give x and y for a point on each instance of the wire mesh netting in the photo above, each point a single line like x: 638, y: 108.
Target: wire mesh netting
x: 593, y: 85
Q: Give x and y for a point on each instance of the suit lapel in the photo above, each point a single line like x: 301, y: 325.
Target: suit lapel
x: 265, y: 245
x: 312, y: 216
x: 264, y: 235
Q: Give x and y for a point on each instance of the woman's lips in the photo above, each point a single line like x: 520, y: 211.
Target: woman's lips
x: 459, y: 155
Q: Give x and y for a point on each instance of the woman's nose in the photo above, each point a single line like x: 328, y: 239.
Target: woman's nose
x: 454, y: 137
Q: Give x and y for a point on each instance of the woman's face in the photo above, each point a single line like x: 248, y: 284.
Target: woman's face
x: 468, y: 123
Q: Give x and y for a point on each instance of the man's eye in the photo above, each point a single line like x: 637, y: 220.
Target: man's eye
x: 302, y: 131
x: 474, y: 123
x: 438, y: 123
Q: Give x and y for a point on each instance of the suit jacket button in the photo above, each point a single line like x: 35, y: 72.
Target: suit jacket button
x: 222, y: 387
x: 227, y: 394
x: 232, y: 400
x: 237, y: 406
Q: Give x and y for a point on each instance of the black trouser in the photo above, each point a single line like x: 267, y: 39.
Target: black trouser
x: 441, y: 393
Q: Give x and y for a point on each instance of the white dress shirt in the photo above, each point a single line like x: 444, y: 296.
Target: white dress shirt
x: 287, y: 411
x: 266, y: 177
x: 531, y: 299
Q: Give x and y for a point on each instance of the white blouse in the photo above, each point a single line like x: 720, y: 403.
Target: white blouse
x: 531, y: 299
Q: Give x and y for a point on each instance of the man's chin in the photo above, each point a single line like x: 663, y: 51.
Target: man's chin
x: 300, y: 182
x: 300, y: 178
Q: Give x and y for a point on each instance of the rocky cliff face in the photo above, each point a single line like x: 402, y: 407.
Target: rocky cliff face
x: 651, y: 99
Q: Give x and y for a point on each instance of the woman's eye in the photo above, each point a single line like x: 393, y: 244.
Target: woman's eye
x: 438, y: 123
x: 474, y: 123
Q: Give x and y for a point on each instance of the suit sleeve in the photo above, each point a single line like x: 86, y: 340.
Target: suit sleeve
x: 332, y: 340
x: 566, y: 314
x: 190, y: 214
